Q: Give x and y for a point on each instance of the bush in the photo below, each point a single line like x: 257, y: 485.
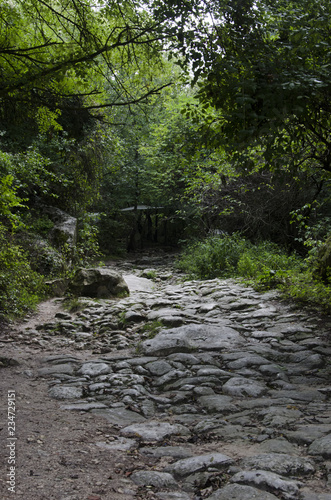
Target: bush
x: 306, y: 290
x: 267, y: 264
x: 263, y: 266
x: 213, y: 257
x: 21, y: 288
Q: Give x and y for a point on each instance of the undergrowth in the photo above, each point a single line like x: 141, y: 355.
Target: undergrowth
x: 264, y: 266
x: 21, y: 288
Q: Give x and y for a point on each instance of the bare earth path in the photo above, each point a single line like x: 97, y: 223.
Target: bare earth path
x: 181, y: 391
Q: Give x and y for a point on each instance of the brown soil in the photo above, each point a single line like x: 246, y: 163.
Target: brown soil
x: 56, y: 455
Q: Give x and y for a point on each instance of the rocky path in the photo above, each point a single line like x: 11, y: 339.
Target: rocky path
x: 211, y: 389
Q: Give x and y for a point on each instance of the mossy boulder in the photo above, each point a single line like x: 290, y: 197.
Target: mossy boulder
x: 98, y: 283
x: 64, y: 227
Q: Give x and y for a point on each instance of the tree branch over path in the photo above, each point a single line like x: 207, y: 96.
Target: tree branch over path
x: 54, y: 46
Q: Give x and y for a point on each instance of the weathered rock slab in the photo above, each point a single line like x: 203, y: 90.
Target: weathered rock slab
x: 217, y: 403
x: 240, y: 386
x: 188, y: 466
x: 321, y: 446
x: 120, y: 416
x: 241, y: 492
x: 280, y: 463
x: 154, y: 430
x: 98, y: 282
x: 153, y: 478
x: 268, y: 481
x: 189, y: 338
x: 65, y: 392
x: 93, y: 369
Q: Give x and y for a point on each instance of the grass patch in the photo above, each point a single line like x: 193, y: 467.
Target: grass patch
x: 151, y: 328
x: 264, y: 266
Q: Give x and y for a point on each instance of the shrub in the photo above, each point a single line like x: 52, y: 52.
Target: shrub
x: 263, y: 266
x: 20, y: 287
x: 213, y: 257
x: 306, y: 290
x: 267, y: 264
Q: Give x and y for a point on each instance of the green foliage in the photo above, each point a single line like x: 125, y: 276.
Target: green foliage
x: 20, y: 287
x: 212, y: 257
x: 307, y: 290
x: 151, y: 328
x: 73, y: 304
x: 263, y: 266
x: 265, y: 67
x: 267, y: 264
x: 150, y: 274
x: 87, y: 248
x: 8, y: 201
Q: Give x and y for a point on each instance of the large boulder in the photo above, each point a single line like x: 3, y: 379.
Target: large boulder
x: 65, y: 227
x: 98, y: 283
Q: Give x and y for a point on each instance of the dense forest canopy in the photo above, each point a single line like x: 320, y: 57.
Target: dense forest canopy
x: 217, y: 112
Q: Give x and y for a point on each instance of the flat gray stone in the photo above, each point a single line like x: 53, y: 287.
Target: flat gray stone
x: 120, y: 416
x: 155, y: 430
x: 141, y: 361
x: 217, y: 403
x: 208, y: 424
x: 159, y: 368
x: 307, y: 395
x: 65, y: 392
x: 280, y: 463
x: 167, y: 451
x: 307, y: 358
x: 83, y: 406
x: 65, y: 368
x: 262, y: 335
x: 239, y: 304
x: 173, y: 375
x: 307, y: 494
x: 153, y: 478
x: 132, y: 316
x: 191, y: 337
x: 205, y: 308
x: 241, y: 492
x: 163, y: 313
x: 279, y: 446
x: 289, y: 328
x: 213, y: 371
x: 176, y: 495
x: 268, y: 481
x: 93, y: 369
x: 239, y: 386
x: 306, y: 434
x: 246, y: 361
x: 182, y: 357
x: 265, y: 312
x: 321, y: 446
x: 188, y: 466
x: 138, y: 284
x: 99, y: 282
x: 279, y: 416
x: 203, y: 391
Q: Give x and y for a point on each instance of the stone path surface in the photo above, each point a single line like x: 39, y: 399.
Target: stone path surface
x: 223, y: 391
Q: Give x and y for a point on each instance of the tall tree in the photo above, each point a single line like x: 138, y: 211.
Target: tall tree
x: 266, y: 67
x: 51, y: 50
